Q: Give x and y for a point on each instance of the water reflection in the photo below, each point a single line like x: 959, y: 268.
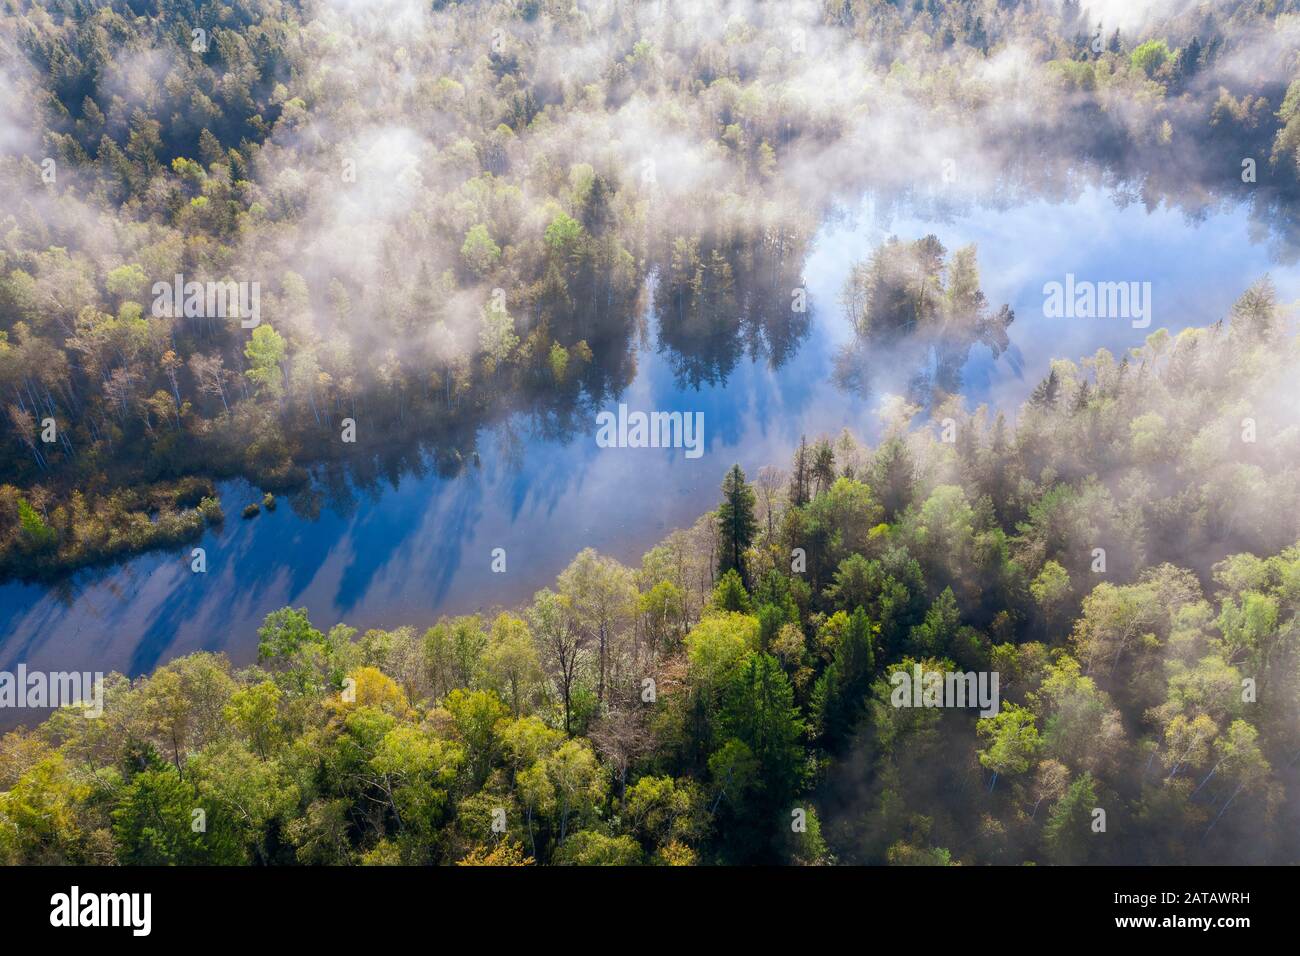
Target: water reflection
x: 407, y: 533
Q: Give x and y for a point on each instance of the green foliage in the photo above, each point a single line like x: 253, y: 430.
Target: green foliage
x: 840, y: 695
x: 1150, y: 56
x: 563, y: 235
x: 1013, y: 741
x: 478, y: 250
x: 770, y: 686
x: 591, y: 848
x: 730, y: 593
x: 736, y: 524
x: 37, y: 536
x: 153, y: 824
x: 265, y: 351
x: 1068, y: 834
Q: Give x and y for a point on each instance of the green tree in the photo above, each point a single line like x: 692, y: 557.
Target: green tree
x: 759, y: 711
x: 479, y: 251
x: 37, y: 536
x: 153, y: 824
x: 591, y: 848
x: 511, y: 662
x: 1051, y: 590
x: 730, y: 593
x: 265, y: 351
x: 255, y: 711
x: 1068, y: 834
x: 840, y: 695
x: 736, y: 523
x: 1013, y: 741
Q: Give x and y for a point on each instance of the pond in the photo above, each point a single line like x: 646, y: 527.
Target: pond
x: 424, y: 547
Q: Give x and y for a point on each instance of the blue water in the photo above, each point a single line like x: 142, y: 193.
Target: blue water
x: 424, y: 547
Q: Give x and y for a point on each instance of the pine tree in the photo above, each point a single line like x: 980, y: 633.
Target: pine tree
x: 1068, y: 831
x: 892, y: 475
x: 1045, y: 392
x: 823, y: 468
x: 730, y: 593
x: 799, y: 475
x: 841, y: 691
x: 736, y: 523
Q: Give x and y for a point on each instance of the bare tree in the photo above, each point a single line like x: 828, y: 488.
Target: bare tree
x: 770, y: 484
x: 211, y: 375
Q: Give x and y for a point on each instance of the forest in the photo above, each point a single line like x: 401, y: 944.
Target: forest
x: 1125, y: 559
x: 448, y: 225
x: 460, y: 214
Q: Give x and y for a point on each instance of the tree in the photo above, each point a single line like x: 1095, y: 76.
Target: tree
x: 479, y: 251
x: 1254, y: 315
x: 511, y: 661
x: 210, y: 375
x: 563, y: 236
x: 152, y: 824
x: 1068, y: 834
x: 799, y: 475
x: 182, y: 706
x: 43, y: 818
x: 892, y: 475
x: 255, y: 711
x: 717, y: 645
x: 730, y: 594
x: 661, y: 810
x: 933, y: 637
x: 840, y: 695
x: 283, y: 633
x: 414, y: 771
x: 453, y: 654
x: 1080, y: 727
x: 591, y: 848
x: 1051, y: 589
x: 736, y: 524
x: 602, y: 596
x: 1241, y: 763
x: 854, y: 583
x: 497, y: 336
x: 265, y: 351
x: 577, y: 782
x: 1013, y: 741
x: 663, y: 608
x: 37, y: 536
x: 244, y: 796
x: 1150, y: 56
x: 769, y: 484
x: 1045, y: 392
x: 475, y: 715
x: 823, y: 465
x: 1114, y: 620
x: 504, y: 853
x: 563, y: 644
x: 758, y: 710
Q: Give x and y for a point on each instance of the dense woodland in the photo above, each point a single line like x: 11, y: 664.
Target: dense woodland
x: 450, y: 221
x: 684, y: 711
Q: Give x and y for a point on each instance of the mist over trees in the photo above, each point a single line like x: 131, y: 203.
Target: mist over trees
x: 731, y: 699
x: 458, y: 212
